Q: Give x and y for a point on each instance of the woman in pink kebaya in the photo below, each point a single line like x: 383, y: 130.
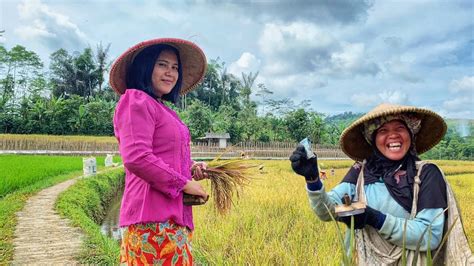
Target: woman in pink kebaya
x: 155, y: 148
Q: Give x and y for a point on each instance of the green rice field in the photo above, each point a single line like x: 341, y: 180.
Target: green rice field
x: 20, y: 171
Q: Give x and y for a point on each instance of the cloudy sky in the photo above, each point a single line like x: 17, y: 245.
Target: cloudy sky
x: 343, y: 55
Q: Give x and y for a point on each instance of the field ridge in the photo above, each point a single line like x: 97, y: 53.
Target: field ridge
x: 41, y: 235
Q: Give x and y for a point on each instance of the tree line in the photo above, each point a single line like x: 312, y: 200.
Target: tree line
x: 71, y: 97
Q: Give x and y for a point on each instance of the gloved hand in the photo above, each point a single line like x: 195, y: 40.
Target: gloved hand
x: 302, y: 166
x: 371, y: 217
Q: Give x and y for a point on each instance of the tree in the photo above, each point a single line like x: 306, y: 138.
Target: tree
x: 263, y: 93
x: 102, y: 63
x: 18, y: 67
x: 87, y: 74
x: 247, y: 84
x: 280, y: 107
x: 207, y: 91
x: 62, y: 73
x: 198, y: 119
x: 79, y: 74
x: 298, y: 124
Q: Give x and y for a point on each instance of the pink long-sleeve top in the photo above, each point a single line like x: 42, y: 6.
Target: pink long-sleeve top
x: 154, y: 145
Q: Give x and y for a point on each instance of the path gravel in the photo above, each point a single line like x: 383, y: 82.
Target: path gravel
x: 42, y: 237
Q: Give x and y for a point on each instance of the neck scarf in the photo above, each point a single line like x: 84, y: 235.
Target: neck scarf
x: 398, y: 176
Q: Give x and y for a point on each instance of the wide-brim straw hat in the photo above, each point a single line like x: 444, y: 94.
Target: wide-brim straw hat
x: 193, y: 63
x: 432, y: 130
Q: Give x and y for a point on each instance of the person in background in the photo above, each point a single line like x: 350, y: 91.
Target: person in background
x: 155, y: 148
x: 396, y: 186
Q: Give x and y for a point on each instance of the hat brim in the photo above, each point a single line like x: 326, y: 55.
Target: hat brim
x: 193, y: 64
x: 432, y: 129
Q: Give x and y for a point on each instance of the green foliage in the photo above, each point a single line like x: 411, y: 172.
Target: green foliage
x: 18, y: 69
x: 199, y: 119
x: 85, y: 204
x: 452, y: 147
x: 301, y: 124
x: 78, y: 74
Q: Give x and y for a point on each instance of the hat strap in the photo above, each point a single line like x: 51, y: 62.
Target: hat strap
x: 360, y: 191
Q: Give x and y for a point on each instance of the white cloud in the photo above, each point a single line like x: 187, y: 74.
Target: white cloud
x: 308, y: 48
x: 245, y: 64
x: 352, y: 58
x: 318, y: 54
x: 41, y: 23
x: 280, y: 38
x: 402, y: 69
x: 297, y: 85
x: 461, y: 99
x: 457, y: 104
x: 364, y: 100
x: 466, y: 84
x: 387, y: 96
x: 393, y: 96
x: 31, y: 32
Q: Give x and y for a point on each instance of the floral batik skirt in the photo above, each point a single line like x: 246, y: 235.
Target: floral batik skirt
x: 157, y: 244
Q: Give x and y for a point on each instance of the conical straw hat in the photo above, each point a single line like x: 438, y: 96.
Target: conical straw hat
x: 193, y: 63
x: 432, y: 130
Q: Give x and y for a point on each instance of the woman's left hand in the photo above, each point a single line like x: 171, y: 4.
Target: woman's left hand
x: 197, y: 171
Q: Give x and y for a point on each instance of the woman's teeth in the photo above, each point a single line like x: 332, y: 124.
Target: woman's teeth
x: 394, y: 146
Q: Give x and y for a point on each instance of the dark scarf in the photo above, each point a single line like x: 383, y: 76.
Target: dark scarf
x: 398, y: 176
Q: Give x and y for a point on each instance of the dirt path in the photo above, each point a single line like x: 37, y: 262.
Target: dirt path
x: 41, y: 235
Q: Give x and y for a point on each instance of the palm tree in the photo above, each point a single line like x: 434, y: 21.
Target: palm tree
x: 248, y: 81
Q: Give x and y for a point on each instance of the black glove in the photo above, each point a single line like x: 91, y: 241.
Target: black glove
x: 302, y: 166
x: 371, y: 217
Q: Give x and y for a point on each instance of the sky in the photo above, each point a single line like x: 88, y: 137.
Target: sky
x: 342, y: 55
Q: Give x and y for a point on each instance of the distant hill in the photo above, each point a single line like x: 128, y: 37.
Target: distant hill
x: 345, y: 118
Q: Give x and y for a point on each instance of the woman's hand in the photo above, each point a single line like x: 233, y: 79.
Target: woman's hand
x: 194, y: 188
x: 197, y: 172
x: 304, y: 166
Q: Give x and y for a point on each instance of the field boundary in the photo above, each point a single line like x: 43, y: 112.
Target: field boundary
x: 88, y: 145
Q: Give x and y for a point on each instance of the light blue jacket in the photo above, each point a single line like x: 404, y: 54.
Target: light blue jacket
x: 380, y: 199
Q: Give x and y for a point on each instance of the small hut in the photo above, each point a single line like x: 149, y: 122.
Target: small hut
x: 220, y: 138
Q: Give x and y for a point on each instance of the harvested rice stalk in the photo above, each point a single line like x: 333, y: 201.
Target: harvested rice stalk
x: 227, y: 178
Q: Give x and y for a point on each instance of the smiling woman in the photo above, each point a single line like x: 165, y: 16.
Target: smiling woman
x: 401, y: 196
x: 393, y: 140
x: 155, y: 147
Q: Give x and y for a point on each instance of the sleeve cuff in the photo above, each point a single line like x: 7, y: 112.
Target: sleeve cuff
x: 314, y: 186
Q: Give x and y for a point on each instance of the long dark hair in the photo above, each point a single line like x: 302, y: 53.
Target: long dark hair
x: 140, y: 72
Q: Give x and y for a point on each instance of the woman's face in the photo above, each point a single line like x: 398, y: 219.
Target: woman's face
x: 165, y: 74
x: 393, y: 140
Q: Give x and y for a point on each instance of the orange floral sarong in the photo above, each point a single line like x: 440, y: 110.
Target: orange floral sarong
x: 156, y: 244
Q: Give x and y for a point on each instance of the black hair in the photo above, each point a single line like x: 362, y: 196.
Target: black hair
x: 140, y: 72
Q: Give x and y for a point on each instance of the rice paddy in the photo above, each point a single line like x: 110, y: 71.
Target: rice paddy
x: 272, y: 224
x: 269, y: 223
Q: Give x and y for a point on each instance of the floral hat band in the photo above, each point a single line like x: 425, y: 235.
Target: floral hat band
x: 413, y: 123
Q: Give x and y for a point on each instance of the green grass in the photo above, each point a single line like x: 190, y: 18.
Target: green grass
x: 85, y: 204
x: 18, y: 183
x: 19, y: 171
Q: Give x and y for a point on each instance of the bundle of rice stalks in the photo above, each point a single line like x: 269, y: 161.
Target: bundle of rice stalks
x: 227, y: 178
